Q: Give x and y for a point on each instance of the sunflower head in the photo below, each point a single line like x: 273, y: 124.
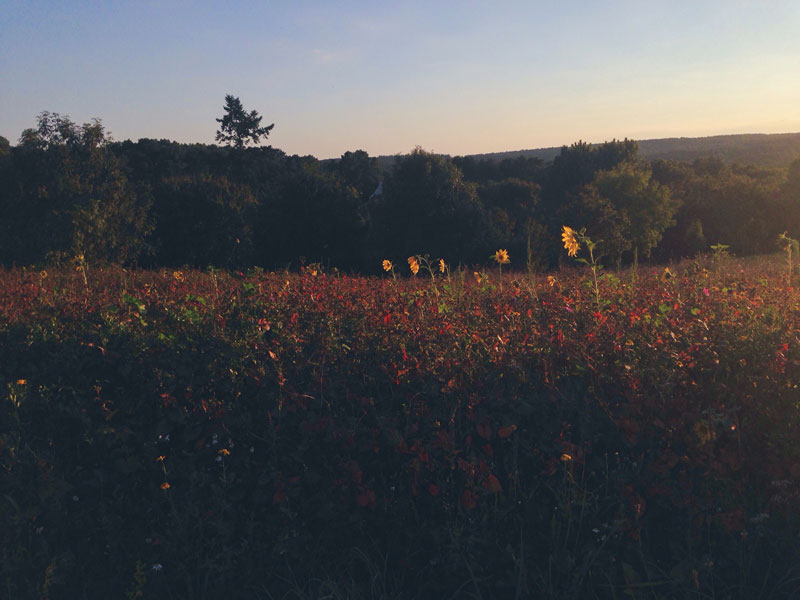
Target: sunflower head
x: 442, y: 265
x: 501, y: 257
x: 413, y: 264
x: 570, y: 239
x: 387, y: 265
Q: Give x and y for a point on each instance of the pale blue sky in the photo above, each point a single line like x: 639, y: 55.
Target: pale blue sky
x: 452, y: 77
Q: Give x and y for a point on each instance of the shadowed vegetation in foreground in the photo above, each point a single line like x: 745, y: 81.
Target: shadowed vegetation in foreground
x: 188, y: 434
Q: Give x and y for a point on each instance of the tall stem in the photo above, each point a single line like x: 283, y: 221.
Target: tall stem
x: 594, y: 276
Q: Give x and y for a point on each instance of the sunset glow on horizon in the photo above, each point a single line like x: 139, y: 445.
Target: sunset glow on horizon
x: 456, y: 79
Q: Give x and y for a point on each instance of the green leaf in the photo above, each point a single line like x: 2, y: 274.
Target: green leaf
x: 133, y: 302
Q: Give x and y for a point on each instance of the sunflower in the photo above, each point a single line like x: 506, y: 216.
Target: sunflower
x: 501, y: 257
x: 413, y: 264
x: 442, y: 265
x: 570, y: 239
x: 387, y: 265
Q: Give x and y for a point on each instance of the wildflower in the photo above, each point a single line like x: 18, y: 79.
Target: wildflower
x: 158, y: 567
x: 501, y: 257
x: 161, y: 458
x: 225, y: 452
x: 387, y: 265
x: 667, y: 274
x: 478, y: 276
x: 565, y: 457
x: 413, y: 263
x: 178, y: 276
x: 570, y: 239
x: 551, y: 280
x: 165, y: 486
x: 22, y: 381
x: 43, y: 274
x: 442, y: 266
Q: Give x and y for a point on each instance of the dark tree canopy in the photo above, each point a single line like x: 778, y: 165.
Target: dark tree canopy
x: 428, y: 208
x: 238, y: 127
x: 66, y: 193
x: 67, y: 189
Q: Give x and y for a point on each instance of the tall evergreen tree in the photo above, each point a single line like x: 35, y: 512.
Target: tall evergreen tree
x: 239, y: 127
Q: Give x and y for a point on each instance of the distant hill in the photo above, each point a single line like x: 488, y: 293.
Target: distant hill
x: 760, y: 149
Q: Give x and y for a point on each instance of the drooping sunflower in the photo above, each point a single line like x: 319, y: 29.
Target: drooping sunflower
x: 442, y: 265
x: 570, y: 239
x: 501, y: 257
x: 413, y: 264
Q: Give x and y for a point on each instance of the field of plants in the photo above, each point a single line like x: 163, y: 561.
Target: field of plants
x: 487, y: 434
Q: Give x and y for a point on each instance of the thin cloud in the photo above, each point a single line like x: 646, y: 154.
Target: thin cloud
x: 325, y: 57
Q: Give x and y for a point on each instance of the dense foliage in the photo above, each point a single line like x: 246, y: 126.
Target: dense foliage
x: 68, y: 190
x: 193, y: 434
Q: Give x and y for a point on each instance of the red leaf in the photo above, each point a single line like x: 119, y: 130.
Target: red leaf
x: 492, y: 484
x: 366, y: 499
x: 506, y: 431
x: 355, y: 471
x: 468, y: 500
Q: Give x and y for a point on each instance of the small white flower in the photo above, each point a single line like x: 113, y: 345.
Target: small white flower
x: 158, y: 567
x: 75, y: 498
x: 252, y: 449
x: 219, y: 459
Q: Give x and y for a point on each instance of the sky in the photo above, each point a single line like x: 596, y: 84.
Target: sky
x: 452, y: 77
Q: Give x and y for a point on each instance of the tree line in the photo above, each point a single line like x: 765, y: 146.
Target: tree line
x: 68, y: 189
